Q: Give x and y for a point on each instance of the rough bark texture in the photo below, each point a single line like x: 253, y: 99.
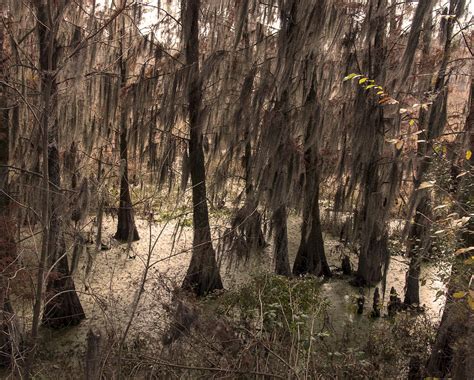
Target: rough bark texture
x: 452, y: 353
x: 280, y: 122
x: 369, y: 130
x: 418, y: 244
x: 418, y: 230
x: 7, y: 243
x: 282, y: 264
x: 126, y: 229
x: 431, y: 125
x: 311, y: 258
x: 62, y: 305
x: 203, y: 275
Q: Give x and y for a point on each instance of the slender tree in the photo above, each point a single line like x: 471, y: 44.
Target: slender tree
x: 451, y: 354
x: 203, y: 275
x: 368, y: 139
x: 126, y: 229
x: 279, y: 123
x: 62, y: 306
x: 431, y: 125
x: 8, y: 343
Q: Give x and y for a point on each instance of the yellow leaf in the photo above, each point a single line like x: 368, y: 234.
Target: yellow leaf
x: 470, y: 301
x: 351, y: 76
x: 469, y: 261
x: 411, y: 122
x: 363, y: 80
x: 399, y: 144
x: 459, y: 294
x: 468, y: 155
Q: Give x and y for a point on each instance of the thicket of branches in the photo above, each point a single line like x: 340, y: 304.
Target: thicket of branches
x: 271, y: 107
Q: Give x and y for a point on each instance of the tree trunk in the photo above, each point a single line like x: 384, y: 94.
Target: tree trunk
x: 431, y: 124
x: 374, y: 246
x: 247, y: 232
x: 452, y: 354
x: 311, y: 258
x: 252, y: 228
x: 279, y: 123
x: 7, y: 239
x: 126, y: 229
x: 369, y: 138
x: 203, y: 275
x: 62, y: 305
x: 280, y: 233
x: 372, y: 259
x: 418, y: 244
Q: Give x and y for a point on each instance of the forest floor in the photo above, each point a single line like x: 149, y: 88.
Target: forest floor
x: 109, y: 292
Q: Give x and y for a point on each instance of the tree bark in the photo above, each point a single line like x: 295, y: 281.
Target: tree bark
x: 126, y: 229
x: 7, y: 239
x: 374, y: 249
x: 251, y: 226
x: 66, y: 306
x: 203, y: 274
x: 279, y: 123
x: 430, y: 127
x: 280, y: 233
x: 451, y: 354
x: 311, y: 258
x: 418, y: 244
x: 62, y: 307
x: 369, y: 136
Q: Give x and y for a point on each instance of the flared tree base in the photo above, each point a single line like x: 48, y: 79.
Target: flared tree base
x: 309, y: 262
x: 62, y: 307
x: 122, y: 235
x: 203, y: 276
x: 126, y: 229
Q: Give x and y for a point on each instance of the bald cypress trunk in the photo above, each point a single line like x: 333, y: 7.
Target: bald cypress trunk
x: 203, y: 275
x: 280, y: 122
x: 126, y: 229
x: 62, y: 306
x: 369, y: 134
x: 280, y: 220
x: 417, y: 244
x: 452, y: 354
x: 431, y: 124
x: 311, y: 257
